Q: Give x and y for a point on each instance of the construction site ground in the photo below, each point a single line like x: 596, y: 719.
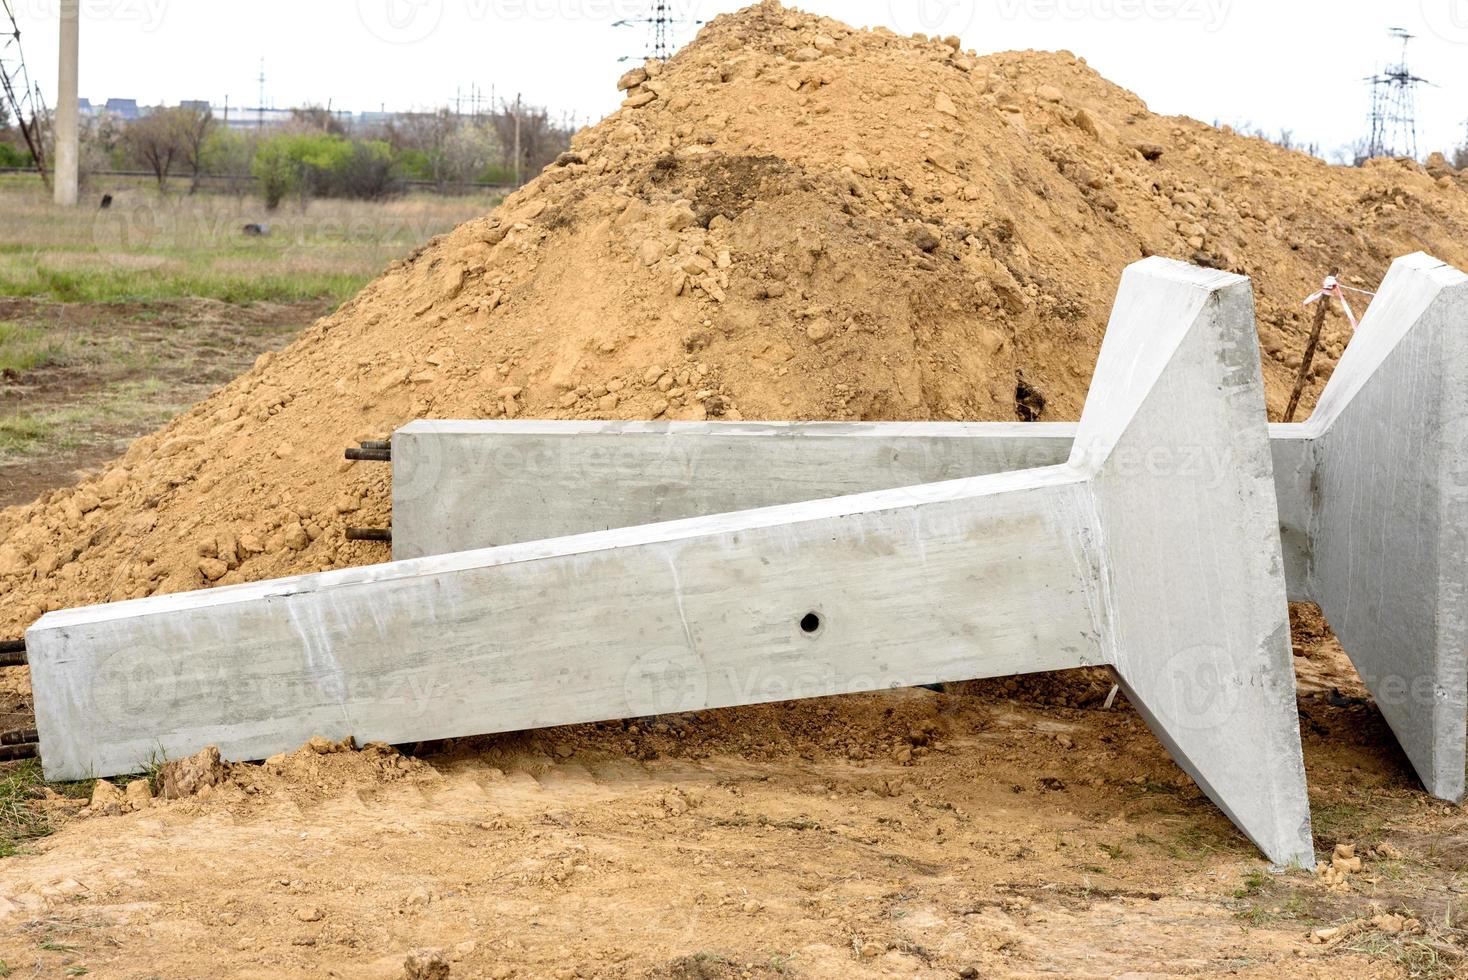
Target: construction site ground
x: 794, y: 220
x: 909, y: 834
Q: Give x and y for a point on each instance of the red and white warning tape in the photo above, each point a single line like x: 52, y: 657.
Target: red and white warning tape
x: 1333, y: 287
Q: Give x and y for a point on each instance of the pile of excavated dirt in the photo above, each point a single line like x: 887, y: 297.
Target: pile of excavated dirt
x: 791, y: 219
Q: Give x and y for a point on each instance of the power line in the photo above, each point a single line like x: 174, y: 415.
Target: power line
x: 1394, y: 106
x: 660, y: 22
x: 20, y: 95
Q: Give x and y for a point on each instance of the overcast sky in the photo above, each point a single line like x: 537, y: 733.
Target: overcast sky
x: 1296, y: 64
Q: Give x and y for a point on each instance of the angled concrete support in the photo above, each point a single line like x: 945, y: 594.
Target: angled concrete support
x: 1388, y: 531
x: 1371, y: 492
x: 1040, y: 569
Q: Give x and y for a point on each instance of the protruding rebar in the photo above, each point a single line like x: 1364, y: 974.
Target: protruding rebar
x: 370, y: 455
x: 381, y: 534
x: 24, y: 736
x: 12, y: 653
x: 12, y: 753
x: 377, y: 444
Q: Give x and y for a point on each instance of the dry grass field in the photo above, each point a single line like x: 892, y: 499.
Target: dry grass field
x: 146, y: 246
x: 111, y: 320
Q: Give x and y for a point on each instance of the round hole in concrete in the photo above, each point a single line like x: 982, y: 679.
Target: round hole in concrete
x: 811, y: 623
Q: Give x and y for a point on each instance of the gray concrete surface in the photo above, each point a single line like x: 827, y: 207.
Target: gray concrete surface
x: 1389, y: 526
x: 67, y: 147
x: 464, y: 485
x: 1370, y: 491
x: 1032, y: 570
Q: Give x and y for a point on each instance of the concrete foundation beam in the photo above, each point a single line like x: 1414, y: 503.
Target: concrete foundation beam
x: 1371, y: 492
x: 464, y: 485
x: 1040, y: 569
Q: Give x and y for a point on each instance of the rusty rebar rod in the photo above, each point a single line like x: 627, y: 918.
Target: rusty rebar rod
x: 12, y: 653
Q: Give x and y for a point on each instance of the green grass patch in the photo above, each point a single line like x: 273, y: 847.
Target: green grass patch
x: 29, y: 280
x: 21, y: 434
x: 24, y: 349
x: 1335, y: 822
x: 1253, y: 916
x: 1255, y: 883
x: 20, y: 820
x: 120, y: 404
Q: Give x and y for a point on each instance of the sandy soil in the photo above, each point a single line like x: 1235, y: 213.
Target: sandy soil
x: 1014, y: 839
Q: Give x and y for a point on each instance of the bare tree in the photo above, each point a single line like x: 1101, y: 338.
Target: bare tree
x: 317, y: 118
x: 528, y: 130
x: 429, y: 134
x: 192, y: 127
x: 1351, y: 154
x: 153, y: 142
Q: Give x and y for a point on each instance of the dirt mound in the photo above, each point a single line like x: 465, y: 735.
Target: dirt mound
x: 789, y: 220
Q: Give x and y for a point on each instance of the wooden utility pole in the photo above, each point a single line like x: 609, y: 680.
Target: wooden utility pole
x: 519, y: 161
x: 1312, y: 346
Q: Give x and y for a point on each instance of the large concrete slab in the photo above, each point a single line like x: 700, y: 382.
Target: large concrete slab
x: 1040, y: 569
x: 459, y: 485
x: 1370, y: 492
x: 1389, y: 528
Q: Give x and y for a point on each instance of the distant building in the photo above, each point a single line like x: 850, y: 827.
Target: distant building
x: 196, y: 105
x: 250, y: 117
x: 123, y: 108
x: 84, y: 107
